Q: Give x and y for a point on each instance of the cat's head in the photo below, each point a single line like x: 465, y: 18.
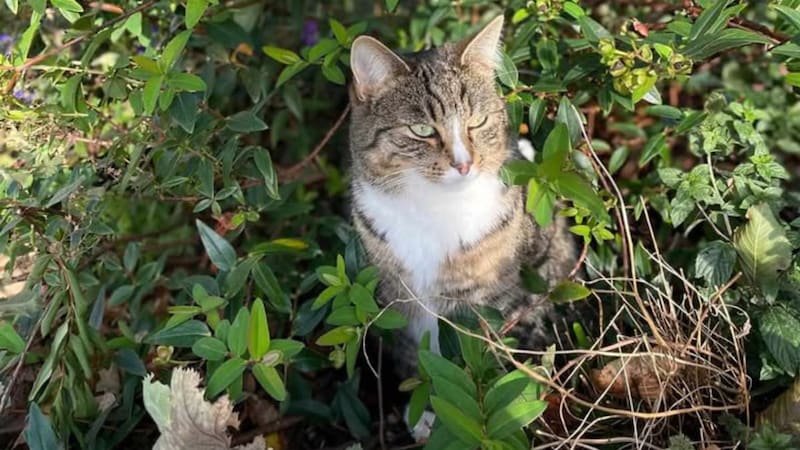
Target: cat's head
x: 435, y: 114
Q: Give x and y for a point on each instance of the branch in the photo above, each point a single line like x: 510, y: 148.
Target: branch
x: 292, y: 171
x: 56, y: 50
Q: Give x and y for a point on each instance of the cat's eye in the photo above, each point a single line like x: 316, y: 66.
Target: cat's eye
x: 477, y: 121
x: 422, y: 130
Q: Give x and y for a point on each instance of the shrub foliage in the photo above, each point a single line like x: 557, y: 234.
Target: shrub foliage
x: 172, y: 193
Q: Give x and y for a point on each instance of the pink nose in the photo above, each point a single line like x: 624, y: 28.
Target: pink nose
x: 462, y: 168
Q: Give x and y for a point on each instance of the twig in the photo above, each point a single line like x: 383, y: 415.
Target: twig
x: 13, y: 380
x: 56, y: 50
x: 580, y: 261
x: 292, y: 171
x: 381, y: 436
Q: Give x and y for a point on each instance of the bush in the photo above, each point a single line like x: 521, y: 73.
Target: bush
x: 173, y: 195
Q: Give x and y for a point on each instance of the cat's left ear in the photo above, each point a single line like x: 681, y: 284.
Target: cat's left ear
x: 482, y: 52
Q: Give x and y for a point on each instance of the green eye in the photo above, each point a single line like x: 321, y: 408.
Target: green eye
x: 477, y: 121
x: 422, y: 130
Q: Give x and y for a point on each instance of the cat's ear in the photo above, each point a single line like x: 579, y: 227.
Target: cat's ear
x: 482, y: 52
x: 373, y: 65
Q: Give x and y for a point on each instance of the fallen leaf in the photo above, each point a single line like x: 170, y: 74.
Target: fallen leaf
x: 189, y: 421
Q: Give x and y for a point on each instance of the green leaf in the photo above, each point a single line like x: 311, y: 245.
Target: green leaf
x: 791, y: 15
x: 437, y: 366
x: 665, y: 111
x: 344, y: 315
x: 264, y: 165
x: 780, y: 330
x: 194, y: 11
x: 417, y: 403
x: 574, y: 187
x: 568, y: 291
x: 152, y: 89
x: 541, y: 202
x: 593, y: 31
x: 517, y: 415
x: 289, y: 72
x: 320, y: 49
x: 237, y: 335
x: 258, y: 333
x: 246, y: 122
x: 182, y: 335
x: 507, y: 73
x: 715, y: 263
x: 10, y: 340
x: 569, y: 115
x: 655, y: 145
x: 763, y: 248
x: 186, y: 82
x: 458, y: 398
x: 68, y: 5
x: 210, y: 348
x: 618, y: 159
x: 711, y: 44
x: 173, y: 49
x: 793, y: 79
x: 390, y: 319
x: 326, y: 296
x: 556, y: 148
x: 13, y: 6
x: 506, y: 390
x: 362, y: 298
x: 39, y: 433
x: 270, y: 380
x: 224, y: 376
x: 340, y: 32
x: 391, y: 5
x: 710, y: 20
x: 184, y: 111
x: 464, y: 428
x: 149, y: 65
x: 536, y: 113
x: 338, y: 335
x: 266, y: 281
x: 218, y: 249
x: 282, y: 55
x: 333, y: 73
x: 287, y: 347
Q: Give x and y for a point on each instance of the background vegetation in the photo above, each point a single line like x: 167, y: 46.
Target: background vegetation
x: 172, y: 195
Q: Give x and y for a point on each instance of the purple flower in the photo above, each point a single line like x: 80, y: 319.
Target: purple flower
x: 6, y: 43
x: 24, y: 96
x: 310, y: 33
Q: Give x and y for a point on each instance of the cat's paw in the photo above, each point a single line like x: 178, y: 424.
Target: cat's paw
x: 422, y: 430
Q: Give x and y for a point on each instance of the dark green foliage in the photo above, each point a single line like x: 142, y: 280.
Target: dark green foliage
x: 170, y: 194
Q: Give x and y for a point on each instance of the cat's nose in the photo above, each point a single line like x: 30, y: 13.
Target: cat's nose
x: 462, y: 167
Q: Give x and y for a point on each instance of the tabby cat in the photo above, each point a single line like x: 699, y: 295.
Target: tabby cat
x: 428, y: 137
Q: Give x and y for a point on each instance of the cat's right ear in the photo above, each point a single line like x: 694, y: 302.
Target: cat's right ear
x: 373, y: 66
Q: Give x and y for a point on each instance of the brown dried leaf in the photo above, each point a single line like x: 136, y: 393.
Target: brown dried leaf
x: 192, y: 422
x: 640, y: 376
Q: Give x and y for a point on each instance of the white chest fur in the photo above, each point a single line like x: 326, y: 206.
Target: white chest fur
x: 426, y: 222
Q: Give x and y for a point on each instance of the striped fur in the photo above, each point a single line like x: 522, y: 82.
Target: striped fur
x: 444, y: 240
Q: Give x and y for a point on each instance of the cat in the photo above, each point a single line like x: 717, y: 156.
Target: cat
x: 428, y: 137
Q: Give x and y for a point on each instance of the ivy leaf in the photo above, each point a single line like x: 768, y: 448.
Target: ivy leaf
x: 780, y: 329
x: 218, y: 249
x: 715, y: 263
x: 763, y: 248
